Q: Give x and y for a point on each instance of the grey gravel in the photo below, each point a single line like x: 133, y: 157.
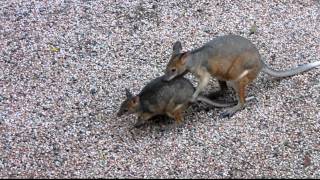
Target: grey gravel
x: 64, y: 66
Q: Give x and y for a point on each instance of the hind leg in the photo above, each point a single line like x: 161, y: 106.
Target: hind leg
x: 239, y: 87
x: 178, y: 116
x: 177, y: 113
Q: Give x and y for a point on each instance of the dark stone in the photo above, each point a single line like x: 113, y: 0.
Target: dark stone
x: 93, y: 91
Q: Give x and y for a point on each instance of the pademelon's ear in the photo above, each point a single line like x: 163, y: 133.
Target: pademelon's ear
x: 128, y: 93
x: 177, y: 47
x: 184, y: 57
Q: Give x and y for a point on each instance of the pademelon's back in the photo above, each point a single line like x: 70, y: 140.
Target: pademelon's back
x: 227, y: 45
x: 159, y: 93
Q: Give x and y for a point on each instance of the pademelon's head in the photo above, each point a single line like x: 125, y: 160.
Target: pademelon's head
x: 177, y: 64
x: 130, y: 105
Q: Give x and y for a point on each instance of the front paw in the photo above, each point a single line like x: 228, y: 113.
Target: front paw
x: 193, y: 99
x: 227, y: 113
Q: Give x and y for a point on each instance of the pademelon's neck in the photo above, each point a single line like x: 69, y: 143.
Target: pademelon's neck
x: 194, y: 61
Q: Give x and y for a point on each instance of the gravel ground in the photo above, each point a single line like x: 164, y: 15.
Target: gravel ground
x: 64, y: 66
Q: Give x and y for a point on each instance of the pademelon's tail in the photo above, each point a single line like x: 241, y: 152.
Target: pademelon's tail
x: 219, y: 103
x: 290, y: 72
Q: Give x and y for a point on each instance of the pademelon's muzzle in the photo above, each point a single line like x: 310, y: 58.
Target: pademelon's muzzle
x: 167, y: 77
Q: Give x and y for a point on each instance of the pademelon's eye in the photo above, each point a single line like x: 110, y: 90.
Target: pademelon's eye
x: 173, y: 70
